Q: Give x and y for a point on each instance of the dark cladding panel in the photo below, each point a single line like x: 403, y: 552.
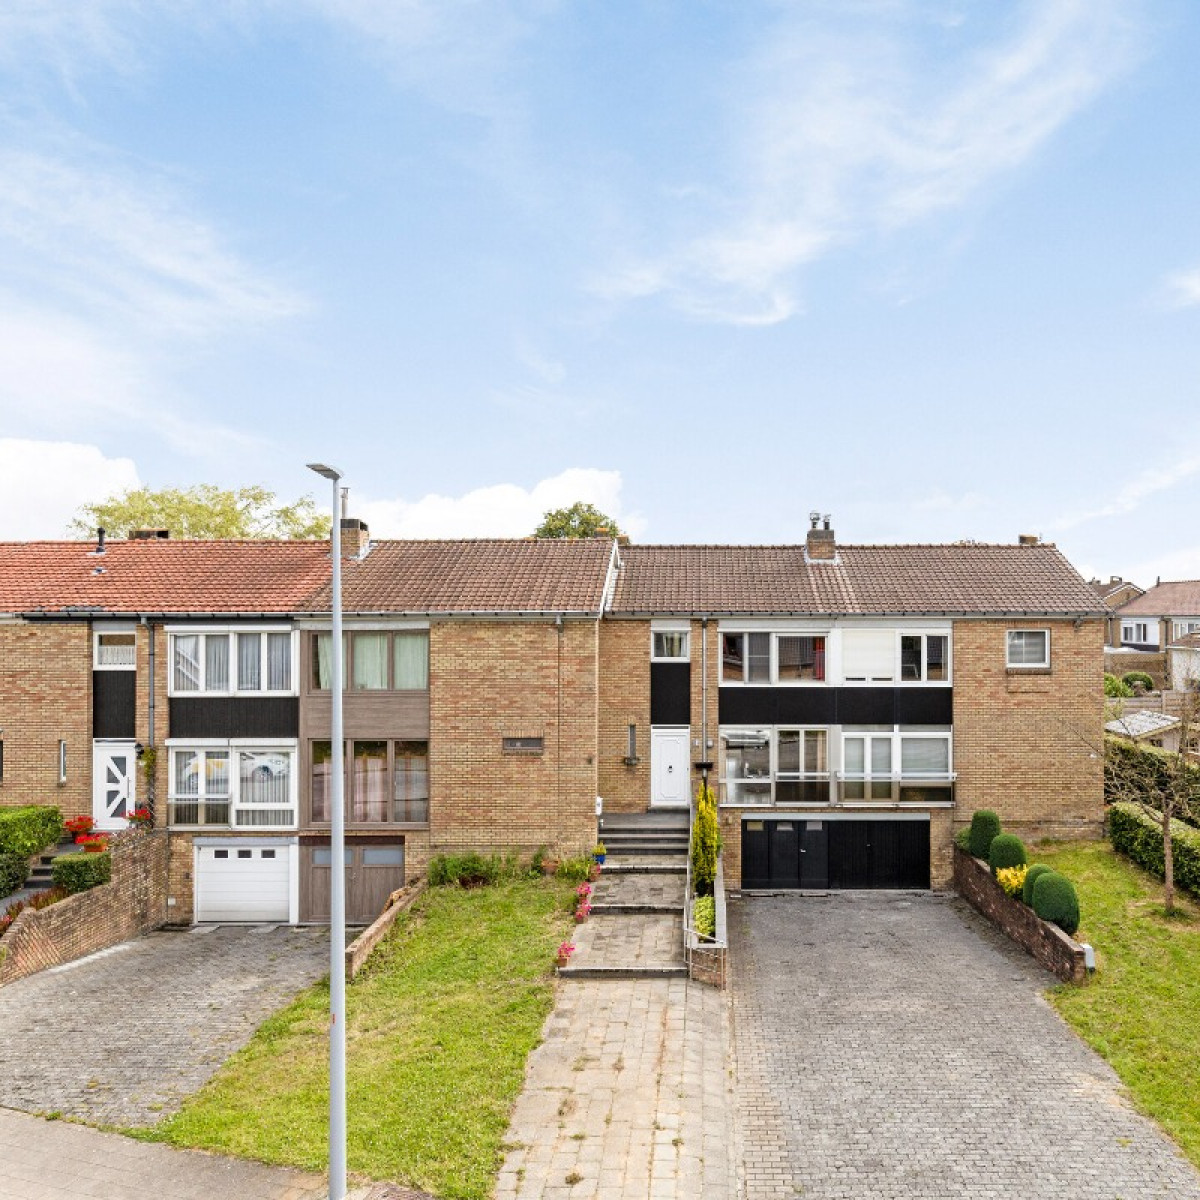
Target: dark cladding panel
x: 670, y: 693
x: 867, y: 706
x: 806, y: 706
x: 235, y: 716
x: 114, y: 704
x: 925, y: 706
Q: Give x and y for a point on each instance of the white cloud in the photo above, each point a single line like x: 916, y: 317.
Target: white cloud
x: 1173, y: 565
x: 1183, y: 288
x: 43, y: 483
x: 503, y: 510
x: 850, y: 130
x: 1129, y: 498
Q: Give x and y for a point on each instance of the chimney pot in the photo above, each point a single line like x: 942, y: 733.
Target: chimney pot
x: 1028, y: 539
x: 355, y: 538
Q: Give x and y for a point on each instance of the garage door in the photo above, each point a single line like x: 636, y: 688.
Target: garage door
x: 819, y: 852
x: 242, y: 883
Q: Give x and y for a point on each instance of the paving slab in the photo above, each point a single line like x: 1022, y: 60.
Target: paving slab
x: 899, y: 1048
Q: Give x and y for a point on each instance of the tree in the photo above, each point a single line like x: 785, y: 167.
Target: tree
x: 203, y: 511
x: 581, y: 520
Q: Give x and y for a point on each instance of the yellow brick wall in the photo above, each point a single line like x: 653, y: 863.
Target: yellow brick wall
x: 624, y: 701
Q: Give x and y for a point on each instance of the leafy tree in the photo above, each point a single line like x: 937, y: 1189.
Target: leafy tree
x: 581, y: 520
x: 203, y: 511
x: 706, y: 841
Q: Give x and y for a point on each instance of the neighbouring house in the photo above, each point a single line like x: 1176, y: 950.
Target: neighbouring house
x: 1161, y: 615
x: 852, y: 705
x: 1144, y: 725
x: 1183, y: 662
x: 1116, y: 593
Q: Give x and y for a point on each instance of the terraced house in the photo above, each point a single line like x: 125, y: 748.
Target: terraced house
x: 852, y: 704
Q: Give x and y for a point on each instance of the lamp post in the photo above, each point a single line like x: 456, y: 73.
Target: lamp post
x: 337, y: 868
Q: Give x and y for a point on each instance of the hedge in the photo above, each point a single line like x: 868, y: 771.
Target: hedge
x: 79, y: 872
x: 13, y: 870
x: 25, y: 831
x: 1138, y: 835
x: 1146, y: 770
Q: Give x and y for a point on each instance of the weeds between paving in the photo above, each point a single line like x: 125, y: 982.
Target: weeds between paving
x: 1139, y: 1012
x: 439, y: 1026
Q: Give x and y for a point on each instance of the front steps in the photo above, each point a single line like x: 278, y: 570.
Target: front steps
x: 659, y: 832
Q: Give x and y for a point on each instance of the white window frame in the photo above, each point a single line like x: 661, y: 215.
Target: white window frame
x: 1184, y: 626
x: 232, y: 632
x: 1137, y: 631
x: 124, y: 630
x: 1026, y: 666
x: 678, y: 627
x: 235, y: 747
x: 898, y: 777
x: 773, y: 680
x: 773, y: 775
x: 924, y: 635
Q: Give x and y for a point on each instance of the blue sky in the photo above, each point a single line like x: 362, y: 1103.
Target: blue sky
x: 933, y: 268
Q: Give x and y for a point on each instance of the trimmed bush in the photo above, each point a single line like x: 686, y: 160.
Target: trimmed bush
x: 1054, y: 900
x: 1006, y: 850
x: 1137, y: 835
x: 962, y: 839
x: 25, y: 831
x: 1116, y: 689
x: 79, y: 872
x: 13, y: 869
x: 1135, y: 677
x: 985, y: 825
x: 1030, y: 879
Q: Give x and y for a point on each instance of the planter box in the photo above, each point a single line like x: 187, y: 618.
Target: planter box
x: 1058, y: 953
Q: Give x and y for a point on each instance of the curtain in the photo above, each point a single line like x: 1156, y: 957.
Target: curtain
x: 249, y: 662
x: 187, y: 663
x: 924, y: 756
x: 412, y: 661
x: 279, y: 662
x: 369, y: 801
x: 370, y: 661
x: 411, y: 784
x: 216, y: 662
x: 322, y: 779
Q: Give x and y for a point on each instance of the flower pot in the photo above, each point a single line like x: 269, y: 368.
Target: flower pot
x: 562, y: 960
x: 94, y: 848
x: 599, y: 858
x: 580, y: 918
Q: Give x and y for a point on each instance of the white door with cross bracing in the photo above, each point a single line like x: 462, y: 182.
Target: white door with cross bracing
x: 114, y: 779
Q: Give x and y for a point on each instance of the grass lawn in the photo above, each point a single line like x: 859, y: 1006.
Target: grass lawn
x: 1142, y: 1011
x: 439, y: 1026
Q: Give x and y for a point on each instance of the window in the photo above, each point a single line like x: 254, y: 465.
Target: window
x: 524, y: 744
x: 1138, y: 632
x: 1, y: 761
x: 114, y: 651
x: 386, y: 781
x: 668, y: 645
x: 775, y: 765
x: 1181, y: 629
x: 252, y: 787
x: 374, y: 660
x: 924, y: 657
x: 224, y: 662
x: 1028, y: 648
x: 772, y: 658
x: 62, y: 762
x: 896, y: 764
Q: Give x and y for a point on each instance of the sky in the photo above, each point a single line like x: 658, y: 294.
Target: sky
x: 930, y: 267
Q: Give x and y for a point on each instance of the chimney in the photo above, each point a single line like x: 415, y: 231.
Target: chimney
x: 356, y: 540
x: 149, y: 535
x: 1028, y: 539
x: 821, y: 545
x: 99, y: 541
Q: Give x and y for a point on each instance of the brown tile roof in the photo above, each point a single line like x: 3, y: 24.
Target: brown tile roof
x: 886, y: 580
x: 547, y: 575
x: 161, y: 576
x: 1180, y: 599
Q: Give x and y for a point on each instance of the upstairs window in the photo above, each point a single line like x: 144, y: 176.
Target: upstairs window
x: 374, y: 660
x: 224, y: 662
x: 772, y: 658
x: 1138, y: 631
x: 1028, y: 648
x: 924, y: 657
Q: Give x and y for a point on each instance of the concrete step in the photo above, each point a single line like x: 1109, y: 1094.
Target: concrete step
x: 666, y: 864
x: 643, y: 849
x: 603, y: 909
x: 673, y: 817
x: 650, y: 971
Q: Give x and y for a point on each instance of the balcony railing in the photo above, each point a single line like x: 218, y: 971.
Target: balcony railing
x: 838, y: 789
x: 199, y: 814
x: 895, y: 789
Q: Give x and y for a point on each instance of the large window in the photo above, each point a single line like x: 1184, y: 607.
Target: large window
x: 924, y: 657
x: 905, y: 763
x: 774, y: 765
x: 1028, y: 648
x: 772, y: 658
x: 875, y: 657
x: 374, y: 660
x: 250, y: 787
x: 255, y: 662
x: 385, y: 781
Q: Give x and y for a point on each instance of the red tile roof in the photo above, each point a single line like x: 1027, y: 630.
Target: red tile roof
x: 963, y: 578
x: 1178, y: 599
x: 166, y: 576
x: 543, y: 575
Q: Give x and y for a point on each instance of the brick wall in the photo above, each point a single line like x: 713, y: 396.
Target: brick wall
x: 624, y: 701
x: 133, y: 903
x: 1025, y: 743
x: 518, y: 678
x: 45, y: 697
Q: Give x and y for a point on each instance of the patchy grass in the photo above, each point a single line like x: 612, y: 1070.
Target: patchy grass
x: 1140, y: 1012
x: 439, y: 1027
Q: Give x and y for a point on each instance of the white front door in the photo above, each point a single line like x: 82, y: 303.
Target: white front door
x: 114, y: 783
x: 669, y: 777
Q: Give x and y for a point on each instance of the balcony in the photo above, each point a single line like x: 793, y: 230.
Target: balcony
x: 854, y: 790
x: 838, y: 790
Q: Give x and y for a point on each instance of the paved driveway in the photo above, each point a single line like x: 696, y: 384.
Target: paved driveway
x: 895, y: 1046
x: 123, y: 1036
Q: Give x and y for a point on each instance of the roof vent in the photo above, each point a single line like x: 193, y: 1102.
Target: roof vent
x: 821, y: 545
x: 1028, y: 539
x: 149, y: 535
x: 99, y: 541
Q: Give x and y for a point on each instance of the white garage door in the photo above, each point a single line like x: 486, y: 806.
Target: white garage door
x: 242, y: 883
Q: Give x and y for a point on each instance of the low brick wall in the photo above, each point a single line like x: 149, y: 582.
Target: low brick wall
x: 360, y: 949
x: 134, y: 902
x: 1047, y: 943
x: 708, y: 962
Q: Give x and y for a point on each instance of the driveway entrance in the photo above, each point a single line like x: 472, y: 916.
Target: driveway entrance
x: 896, y: 1046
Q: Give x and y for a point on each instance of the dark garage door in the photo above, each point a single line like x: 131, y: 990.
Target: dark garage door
x: 816, y: 852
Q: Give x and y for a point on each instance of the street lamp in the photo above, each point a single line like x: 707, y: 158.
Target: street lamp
x: 337, y: 868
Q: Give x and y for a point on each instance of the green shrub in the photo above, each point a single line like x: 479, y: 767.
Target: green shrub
x: 575, y: 869
x: 1054, y: 899
x: 1030, y: 877
x: 706, y: 842
x: 1139, y: 772
x: 79, y: 872
x: 13, y: 869
x: 25, y: 831
x: 704, y: 915
x: 1116, y: 689
x: 1006, y: 850
x: 985, y: 825
x: 962, y: 839
x: 1134, y: 677
x: 1138, y: 836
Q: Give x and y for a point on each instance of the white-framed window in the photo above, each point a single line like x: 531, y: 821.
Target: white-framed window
x: 1136, y: 631
x: 1182, y: 628
x: 233, y: 784
x: 669, y: 644
x: 1027, y: 648
x: 924, y: 657
x: 891, y: 764
x: 114, y: 648
x: 763, y: 765
x: 226, y: 662
x: 763, y: 657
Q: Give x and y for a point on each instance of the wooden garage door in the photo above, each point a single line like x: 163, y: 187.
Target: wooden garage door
x: 242, y: 883
x: 374, y: 870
